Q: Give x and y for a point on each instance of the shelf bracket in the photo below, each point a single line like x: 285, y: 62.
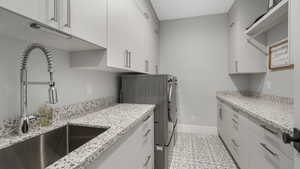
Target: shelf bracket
x: 258, y: 45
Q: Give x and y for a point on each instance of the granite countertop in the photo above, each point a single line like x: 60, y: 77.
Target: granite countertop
x: 275, y: 112
x: 120, y: 119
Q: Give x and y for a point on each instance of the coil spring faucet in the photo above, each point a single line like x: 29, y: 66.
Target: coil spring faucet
x: 52, y: 91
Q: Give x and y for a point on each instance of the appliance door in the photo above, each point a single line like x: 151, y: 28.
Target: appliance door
x: 163, y: 154
x: 172, y: 106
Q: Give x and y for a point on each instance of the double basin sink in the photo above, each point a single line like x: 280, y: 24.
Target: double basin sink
x: 41, y: 151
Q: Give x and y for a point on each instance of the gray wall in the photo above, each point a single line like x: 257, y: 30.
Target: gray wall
x: 73, y: 85
x: 196, y: 51
x: 279, y: 82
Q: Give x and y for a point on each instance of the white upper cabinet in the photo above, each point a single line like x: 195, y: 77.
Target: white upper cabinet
x: 44, y: 11
x: 118, y: 38
x: 132, y: 44
x: 137, y: 30
x: 85, y: 19
x: 71, y: 25
x: 246, y: 54
x: 116, y: 35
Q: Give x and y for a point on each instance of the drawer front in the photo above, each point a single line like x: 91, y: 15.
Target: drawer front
x: 274, y: 139
x: 147, y: 143
x: 235, y: 122
x: 148, y: 161
x: 274, y: 159
x: 235, y: 149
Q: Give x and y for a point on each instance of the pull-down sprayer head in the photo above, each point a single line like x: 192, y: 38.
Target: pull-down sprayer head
x: 52, y: 91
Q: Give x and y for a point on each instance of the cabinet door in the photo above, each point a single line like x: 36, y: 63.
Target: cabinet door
x: 118, y: 30
x: 233, y: 45
x: 227, y: 115
x: 220, y: 120
x: 243, y: 141
x: 87, y: 20
x: 123, y: 154
x: 44, y: 11
x: 138, y: 27
x: 244, y: 56
x: 157, y: 52
x: 134, y: 151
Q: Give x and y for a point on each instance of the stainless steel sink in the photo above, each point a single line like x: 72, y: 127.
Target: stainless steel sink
x: 41, y: 151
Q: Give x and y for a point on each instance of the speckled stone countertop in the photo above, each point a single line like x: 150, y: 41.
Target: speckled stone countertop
x: 120, y: 119
x: 274, y: 111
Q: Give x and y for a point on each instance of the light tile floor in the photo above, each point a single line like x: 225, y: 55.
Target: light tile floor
x: 194, y: 151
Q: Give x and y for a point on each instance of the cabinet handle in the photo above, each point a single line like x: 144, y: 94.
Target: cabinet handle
x: 268, y: 150
x: 55, y: 11
x: 234, y: 143
x: 129, y: 60
x: 236, y: 66
x: 147, y: 132
x: 147, y: 118
x: 68, y: 24
x: 147, y: 160
x: 126, y: 58
x: 269, y: 130
x: 53, y: 16
x: 146, y: 66
x: 235, y: 121
x: 220, y: 114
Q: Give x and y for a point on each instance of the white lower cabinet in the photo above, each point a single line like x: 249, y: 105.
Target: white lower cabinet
x: 134, y: 151
x: 252, y: 145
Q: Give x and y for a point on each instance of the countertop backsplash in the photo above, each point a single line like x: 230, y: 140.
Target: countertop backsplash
x: 10, y: 126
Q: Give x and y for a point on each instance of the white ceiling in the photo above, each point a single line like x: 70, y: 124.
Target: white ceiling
x: 176, y: 9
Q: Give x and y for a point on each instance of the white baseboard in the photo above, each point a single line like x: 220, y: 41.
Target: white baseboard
x: 197, y: 129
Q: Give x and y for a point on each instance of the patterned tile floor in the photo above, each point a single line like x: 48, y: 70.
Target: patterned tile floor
x: 193, y: 151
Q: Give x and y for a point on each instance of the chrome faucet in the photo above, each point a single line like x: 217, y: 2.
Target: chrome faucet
x: 52, y: 91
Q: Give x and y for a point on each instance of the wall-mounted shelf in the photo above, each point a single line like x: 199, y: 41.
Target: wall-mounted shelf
x: 275, y: 16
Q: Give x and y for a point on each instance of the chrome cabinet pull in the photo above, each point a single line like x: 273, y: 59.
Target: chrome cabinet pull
x: 236, y: 66
x: 269, y: 130
x: 55, y: 11
x: 126, y: 58
x: 268, y: 150
x: 147, y: 118
x: 68, y: 24
x: 129, y: 60
x: 220, y: 114
x: 235, y: 121
x: 146, y: 66
x: 147, y: 132
x: 53, y: 16
x: 234, y: 143
x: 147, y: 160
